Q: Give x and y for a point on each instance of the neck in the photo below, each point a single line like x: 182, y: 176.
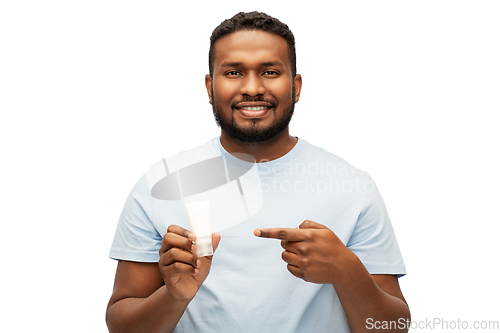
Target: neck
x: 262, y: 151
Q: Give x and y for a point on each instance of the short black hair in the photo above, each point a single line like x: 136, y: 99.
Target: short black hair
x: 253, y: 21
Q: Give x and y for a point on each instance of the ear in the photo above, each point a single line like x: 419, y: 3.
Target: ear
x: 208, y: 85
x: 297, y: 81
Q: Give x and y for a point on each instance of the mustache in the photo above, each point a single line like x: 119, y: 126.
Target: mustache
x: 254, y: 99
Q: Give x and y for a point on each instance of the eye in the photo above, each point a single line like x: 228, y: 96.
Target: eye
x: 232, y: 73
x: 270, y: 73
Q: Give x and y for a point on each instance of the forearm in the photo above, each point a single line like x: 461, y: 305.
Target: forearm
x: 365, y: 303
x: 156, y: 313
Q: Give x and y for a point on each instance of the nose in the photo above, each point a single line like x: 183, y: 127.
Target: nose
x: 252, y: 85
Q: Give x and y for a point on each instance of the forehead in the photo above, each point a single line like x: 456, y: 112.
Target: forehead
x: 252, y: 46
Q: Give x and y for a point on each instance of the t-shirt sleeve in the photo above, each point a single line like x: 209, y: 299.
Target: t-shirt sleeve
x: 136, y: 238
x: 373, y: 239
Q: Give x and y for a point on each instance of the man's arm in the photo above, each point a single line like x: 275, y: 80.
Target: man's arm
x: 140, y: 301
x: 371, y: 299
x: 151, y: 297
x: 315, y: 254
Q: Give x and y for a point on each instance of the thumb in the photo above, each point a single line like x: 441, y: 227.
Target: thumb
x: 215, y: 240
x: 311, y: 225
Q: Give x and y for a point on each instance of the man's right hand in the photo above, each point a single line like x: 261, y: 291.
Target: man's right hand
x: 181, y: 269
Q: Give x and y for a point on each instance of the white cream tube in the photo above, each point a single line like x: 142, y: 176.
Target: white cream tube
x: 199, y: 220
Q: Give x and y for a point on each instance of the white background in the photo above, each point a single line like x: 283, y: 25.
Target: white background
x: 94, y: 92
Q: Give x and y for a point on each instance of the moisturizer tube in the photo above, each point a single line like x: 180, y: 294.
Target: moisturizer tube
x: 199, y: 220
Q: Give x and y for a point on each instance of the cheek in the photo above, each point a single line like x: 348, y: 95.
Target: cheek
x: 281, y: 90
x: 223, y: 90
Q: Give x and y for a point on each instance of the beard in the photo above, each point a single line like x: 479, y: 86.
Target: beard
x: 255, y: 132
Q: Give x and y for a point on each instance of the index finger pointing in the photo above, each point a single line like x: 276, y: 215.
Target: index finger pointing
x: 289, y: 234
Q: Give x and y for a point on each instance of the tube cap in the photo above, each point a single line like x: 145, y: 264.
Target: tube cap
x: 204, y: 246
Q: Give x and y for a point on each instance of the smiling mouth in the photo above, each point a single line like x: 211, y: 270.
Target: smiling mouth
x: 249, y: 111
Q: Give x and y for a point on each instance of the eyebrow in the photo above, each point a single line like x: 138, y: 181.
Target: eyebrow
x: 272, y: 63
x: 231, y: 64
x: 264, y: 64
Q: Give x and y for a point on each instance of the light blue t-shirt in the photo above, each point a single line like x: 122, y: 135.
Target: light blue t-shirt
x: 249, y: 288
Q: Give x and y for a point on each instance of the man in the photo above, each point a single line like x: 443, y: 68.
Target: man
x: 335, y: 267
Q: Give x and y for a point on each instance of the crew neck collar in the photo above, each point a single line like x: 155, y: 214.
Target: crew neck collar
x: 288, y: 157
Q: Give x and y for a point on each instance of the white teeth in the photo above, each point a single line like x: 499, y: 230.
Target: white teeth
x: 254, y: 108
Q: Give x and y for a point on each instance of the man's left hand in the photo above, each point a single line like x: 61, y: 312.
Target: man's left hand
x: 313, y: 252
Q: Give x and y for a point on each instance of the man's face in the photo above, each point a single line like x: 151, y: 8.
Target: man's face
x: 252, y: 90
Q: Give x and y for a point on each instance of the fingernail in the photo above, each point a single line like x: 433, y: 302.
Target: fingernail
x: 257, y: 233
x: 198, y: 263
x: 193, y: 247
